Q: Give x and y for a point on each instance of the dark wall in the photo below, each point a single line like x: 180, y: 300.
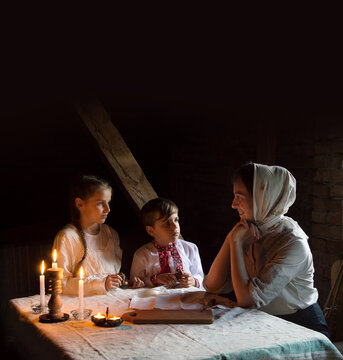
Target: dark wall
x: 191, y: 110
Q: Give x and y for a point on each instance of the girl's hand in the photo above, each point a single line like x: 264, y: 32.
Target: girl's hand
x: 136, y: 283
x: 167, y: 279
x: 113, y: 282
x: 187, y: 280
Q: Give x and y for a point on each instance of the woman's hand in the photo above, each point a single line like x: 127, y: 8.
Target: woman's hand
x: 252, y: 227
x: 187, y: 280
x: 166, y: 279
x: 113, y: 282
x: 238, y: 233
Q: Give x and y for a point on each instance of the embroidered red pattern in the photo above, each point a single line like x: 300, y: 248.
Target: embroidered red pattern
x: 163, y: 254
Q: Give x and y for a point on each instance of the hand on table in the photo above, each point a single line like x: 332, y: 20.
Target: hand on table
x: 136, y: 283
x: 166, y: 279
x: 113, y: 282
x: 211, y: 300
x: 187, y: 280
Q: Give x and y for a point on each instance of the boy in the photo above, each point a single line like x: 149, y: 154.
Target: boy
x: 167, y: 260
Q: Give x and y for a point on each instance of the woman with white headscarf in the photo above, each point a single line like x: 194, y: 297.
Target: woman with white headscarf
x: 266, y: 259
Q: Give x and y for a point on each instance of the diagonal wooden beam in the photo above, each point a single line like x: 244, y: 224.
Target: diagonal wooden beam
x: 125, y: 169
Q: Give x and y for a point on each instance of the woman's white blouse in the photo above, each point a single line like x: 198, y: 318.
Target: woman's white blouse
x: 146, y: 262
x: 282, y: 274
x: 103, y: 258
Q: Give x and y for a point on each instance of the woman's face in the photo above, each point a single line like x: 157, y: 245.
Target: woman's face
x: 242, y: 201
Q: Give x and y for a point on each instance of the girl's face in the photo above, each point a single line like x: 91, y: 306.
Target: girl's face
x: 96, y: 208
x: 165, y: 231
x: 242, y: 201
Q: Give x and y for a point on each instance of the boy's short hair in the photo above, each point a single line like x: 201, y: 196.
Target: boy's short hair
x: 164, y: 208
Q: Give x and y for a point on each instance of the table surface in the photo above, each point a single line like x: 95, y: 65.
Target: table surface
x: 235, y: 333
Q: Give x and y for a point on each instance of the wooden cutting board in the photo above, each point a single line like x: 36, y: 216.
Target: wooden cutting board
x: 157, y: 316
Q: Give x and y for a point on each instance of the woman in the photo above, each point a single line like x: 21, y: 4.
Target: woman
x: 266, y: 258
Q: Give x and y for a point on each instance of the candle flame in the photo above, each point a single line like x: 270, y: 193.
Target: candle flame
x: 42, y: 268
x: 98, y: 315
x: 81, y: 273
x: 54, y: 256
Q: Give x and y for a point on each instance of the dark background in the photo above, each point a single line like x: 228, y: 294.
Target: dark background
x: 202, y: 90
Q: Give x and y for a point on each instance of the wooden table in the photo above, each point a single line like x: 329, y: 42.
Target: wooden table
x: 235, y: 334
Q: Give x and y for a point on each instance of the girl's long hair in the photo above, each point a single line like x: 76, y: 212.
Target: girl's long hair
x: 84, y: 187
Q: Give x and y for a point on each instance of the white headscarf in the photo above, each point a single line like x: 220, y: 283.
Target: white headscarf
x: 273, y: 194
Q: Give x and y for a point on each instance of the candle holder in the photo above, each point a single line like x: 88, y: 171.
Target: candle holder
x: 55, y: 303
x: 37, y: 309
x: 106, y: 320
x: 86, y: 314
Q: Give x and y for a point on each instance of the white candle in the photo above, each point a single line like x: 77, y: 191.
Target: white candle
x: 42, y: 287
x: 54, y: 263
x: 81, y: 306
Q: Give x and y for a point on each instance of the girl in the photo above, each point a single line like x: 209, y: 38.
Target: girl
x: 266, y: 258
x: 87, y: 241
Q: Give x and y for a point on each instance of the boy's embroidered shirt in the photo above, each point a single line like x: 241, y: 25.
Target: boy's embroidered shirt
x: 103, y: 258
x: 163, y: 253
x: 146, y: 261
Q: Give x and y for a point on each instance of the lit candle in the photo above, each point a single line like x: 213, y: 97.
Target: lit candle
x: 42, y: 287
x: 81, y: 294
x: 99, y: 316
x: 114, y: 317
x: 54, y: 256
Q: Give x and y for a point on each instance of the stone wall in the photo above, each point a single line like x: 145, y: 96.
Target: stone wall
x: 327, y: 237
x: 309, y: 145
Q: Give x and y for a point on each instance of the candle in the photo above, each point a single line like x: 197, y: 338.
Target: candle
x: 42, y: 287
x: 54, y: 256
x: 99, y: 316
x: 81, y: 294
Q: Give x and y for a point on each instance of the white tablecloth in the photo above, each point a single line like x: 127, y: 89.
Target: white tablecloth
x: 235, y: 334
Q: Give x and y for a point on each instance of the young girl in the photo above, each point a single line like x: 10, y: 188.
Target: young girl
x: 87, y: 241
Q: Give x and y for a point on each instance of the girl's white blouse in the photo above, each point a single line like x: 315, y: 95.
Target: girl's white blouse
x: 103, y: 258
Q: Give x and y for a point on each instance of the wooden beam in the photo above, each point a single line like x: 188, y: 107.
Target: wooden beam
x: 125, y: 168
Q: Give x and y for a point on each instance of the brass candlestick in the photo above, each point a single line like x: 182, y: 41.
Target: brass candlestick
x: 55, y: 314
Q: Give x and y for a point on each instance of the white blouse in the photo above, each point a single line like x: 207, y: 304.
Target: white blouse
x: 281, y: 275
x: 103, y: 258
x: 146, y: 261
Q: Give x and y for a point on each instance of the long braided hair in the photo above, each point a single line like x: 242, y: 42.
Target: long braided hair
x: 83, y: 187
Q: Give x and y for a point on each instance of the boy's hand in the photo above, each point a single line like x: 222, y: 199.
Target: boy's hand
x: 136, y: 283
x: 166, y: 279
x: 113, y: 282
x: 187, y: 280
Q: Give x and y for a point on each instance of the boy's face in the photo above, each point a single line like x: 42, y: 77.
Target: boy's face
x: 165, y: 230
